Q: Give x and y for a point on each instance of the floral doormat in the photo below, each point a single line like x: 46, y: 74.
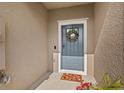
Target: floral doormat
x: 72, y: 77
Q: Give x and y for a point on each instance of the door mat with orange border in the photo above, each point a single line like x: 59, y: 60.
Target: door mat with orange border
x: 72, y: 77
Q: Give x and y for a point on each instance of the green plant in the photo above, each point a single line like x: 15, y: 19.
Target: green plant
x: 109, y: 84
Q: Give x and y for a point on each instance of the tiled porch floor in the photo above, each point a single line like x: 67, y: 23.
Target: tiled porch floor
x: 54, y: 83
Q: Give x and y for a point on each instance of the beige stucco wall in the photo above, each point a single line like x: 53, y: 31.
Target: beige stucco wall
x: 81, y: 11
x: 109, y: 53
x: 100, y: 10
x: 2, y: 44
x: 26, y: 43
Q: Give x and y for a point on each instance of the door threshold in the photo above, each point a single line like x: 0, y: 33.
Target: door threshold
x: 72, y: 71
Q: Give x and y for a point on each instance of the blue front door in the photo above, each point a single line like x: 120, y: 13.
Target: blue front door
x: 72, y: 56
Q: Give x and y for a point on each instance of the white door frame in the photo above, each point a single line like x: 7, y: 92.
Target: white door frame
x: 67, y: 22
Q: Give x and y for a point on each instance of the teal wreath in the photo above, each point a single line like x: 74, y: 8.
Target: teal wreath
x: 72, y: 35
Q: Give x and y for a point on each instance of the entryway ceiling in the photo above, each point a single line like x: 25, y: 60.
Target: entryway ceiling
x: 54, y: 5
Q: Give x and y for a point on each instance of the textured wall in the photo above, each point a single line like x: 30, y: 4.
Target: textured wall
x: 100, y: 10
x: 26, y: 43
x: 2, y: 44
x: 109, y: 53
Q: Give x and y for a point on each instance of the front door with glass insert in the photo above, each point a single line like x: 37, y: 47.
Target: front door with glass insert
x: 72, y: 48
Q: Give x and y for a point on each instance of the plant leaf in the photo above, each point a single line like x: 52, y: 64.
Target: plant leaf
x: 117, y: 84
x: 107, y: 80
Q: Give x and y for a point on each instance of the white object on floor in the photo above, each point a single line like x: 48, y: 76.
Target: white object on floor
x: 54, y: 83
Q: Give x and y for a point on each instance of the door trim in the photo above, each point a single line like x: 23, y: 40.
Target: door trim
x: 67, y: 22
